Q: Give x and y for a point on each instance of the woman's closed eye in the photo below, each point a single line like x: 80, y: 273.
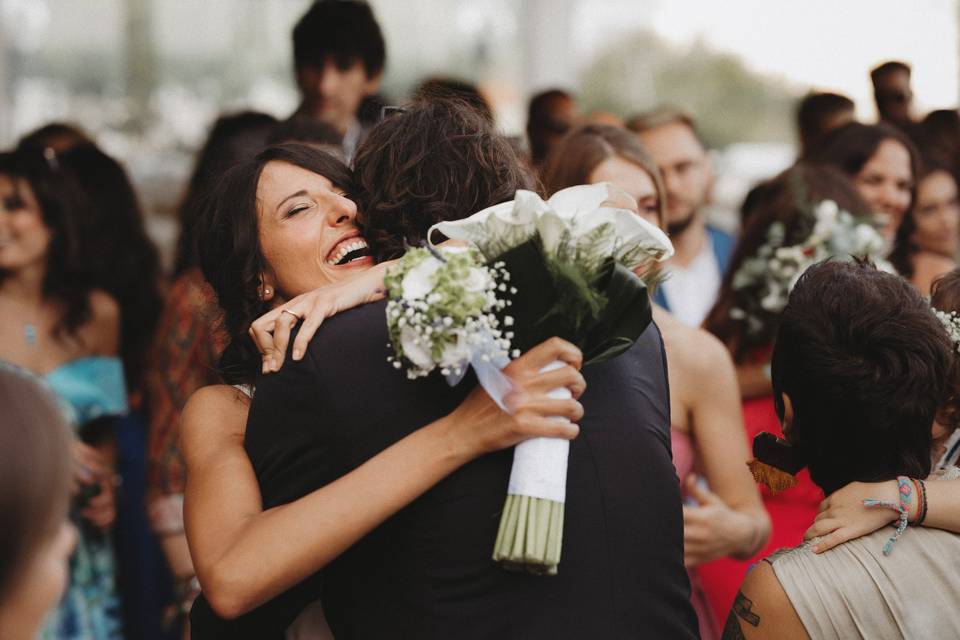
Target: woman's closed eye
x: 297, y: 208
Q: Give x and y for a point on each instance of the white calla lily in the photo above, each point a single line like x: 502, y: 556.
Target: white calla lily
x: 571, y: 213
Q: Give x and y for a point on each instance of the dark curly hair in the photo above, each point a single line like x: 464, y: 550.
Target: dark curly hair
x: 864, y: 363
x: 945, y: 296
x: 787, y: 199
x: 438, y: 159
x: 66, y: 209
x: 230, y: 255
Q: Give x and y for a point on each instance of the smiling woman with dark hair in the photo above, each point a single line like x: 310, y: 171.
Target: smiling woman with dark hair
x: 336, y: 424
x: 278, y: 226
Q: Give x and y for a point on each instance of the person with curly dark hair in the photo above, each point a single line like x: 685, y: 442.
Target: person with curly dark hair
x: 625, y: 462
x: 278, y: 226
x: 438, y: 160
x: 56, y: 322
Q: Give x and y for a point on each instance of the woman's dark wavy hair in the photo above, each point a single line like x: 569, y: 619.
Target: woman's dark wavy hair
x: 230, y: 256
x: 232, y: 139
x: 66, y: 211
x: 865, y: 364
x: 789, y: 199
x: 436, y: 160
x: 122, y: 257
x: 852, y: 145
x: 945, y: 296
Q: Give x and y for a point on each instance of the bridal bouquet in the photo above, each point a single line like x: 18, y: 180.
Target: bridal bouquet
x: 564, y: 267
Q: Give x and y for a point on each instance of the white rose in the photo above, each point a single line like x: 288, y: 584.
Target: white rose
x: 455, y: 355
x: 419, y: 280
x: 477, y: 280
x: 418, y: 354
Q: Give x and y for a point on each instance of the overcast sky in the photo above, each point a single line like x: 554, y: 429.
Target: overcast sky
x: 826, y: 44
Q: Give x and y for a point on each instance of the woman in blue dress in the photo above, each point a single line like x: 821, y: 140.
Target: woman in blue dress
x: 56, y: 324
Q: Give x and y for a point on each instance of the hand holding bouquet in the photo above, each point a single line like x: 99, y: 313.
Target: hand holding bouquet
x: 564, y: 267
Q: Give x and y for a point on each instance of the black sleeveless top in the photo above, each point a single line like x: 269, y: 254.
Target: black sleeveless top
x: 427, y: 572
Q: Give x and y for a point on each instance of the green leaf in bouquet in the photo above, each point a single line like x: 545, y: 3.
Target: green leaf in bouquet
x: 602, y: 313
x: 535, y: 317
x: 625, y: 317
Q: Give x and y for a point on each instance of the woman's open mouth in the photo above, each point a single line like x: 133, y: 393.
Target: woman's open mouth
x: 348, y: 250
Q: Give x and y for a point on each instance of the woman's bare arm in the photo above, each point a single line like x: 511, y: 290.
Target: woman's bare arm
x: 731, y: 519
x: 843, y: 517
x: 245, y: 556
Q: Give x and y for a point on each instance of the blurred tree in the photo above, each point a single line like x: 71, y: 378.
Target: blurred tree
x: 731, y: 102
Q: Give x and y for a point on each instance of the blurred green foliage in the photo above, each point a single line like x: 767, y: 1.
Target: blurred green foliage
x: 730, y: 102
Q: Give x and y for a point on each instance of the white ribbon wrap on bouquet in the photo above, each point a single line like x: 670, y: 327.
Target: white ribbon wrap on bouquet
x: 540, y: 464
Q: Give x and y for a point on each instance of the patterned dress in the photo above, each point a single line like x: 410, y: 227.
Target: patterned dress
x: 91, y: 388
x: 186, y: 349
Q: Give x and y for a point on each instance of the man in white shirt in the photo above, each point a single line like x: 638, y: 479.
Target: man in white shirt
x: 338, y: 54
x: 694, y: 273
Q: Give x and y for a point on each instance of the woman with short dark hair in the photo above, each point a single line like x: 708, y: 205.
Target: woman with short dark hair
x: 860, y: 370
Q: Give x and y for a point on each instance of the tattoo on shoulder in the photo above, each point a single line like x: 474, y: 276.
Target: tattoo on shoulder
x: 742, y: 609
x: 732, y: 630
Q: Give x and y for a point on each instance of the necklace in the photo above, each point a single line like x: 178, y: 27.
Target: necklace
x: 30, y: 334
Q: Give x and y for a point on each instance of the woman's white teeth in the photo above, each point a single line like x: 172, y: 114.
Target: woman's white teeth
x: 345, y: 249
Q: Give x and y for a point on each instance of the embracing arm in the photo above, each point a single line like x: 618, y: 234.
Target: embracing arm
x: 843, y: 517
x: 730, y: 520
x: 244, y: 556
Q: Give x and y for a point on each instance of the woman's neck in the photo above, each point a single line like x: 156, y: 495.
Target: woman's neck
x: 24, y: 285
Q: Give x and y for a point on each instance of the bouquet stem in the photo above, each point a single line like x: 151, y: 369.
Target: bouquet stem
x: 530, y: 536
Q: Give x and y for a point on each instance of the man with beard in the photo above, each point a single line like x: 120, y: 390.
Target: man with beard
x: 702, y: 251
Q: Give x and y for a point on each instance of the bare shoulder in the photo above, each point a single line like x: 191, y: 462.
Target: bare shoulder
x: 762, y: 609
x: 927, y: 266
x: 102, y: 331
x: 696, y: 349
x: 213, y: 416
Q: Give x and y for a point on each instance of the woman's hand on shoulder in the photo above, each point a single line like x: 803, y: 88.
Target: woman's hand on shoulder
x: 843, y: 517
x: 271, y: 331
x: 480, y: 426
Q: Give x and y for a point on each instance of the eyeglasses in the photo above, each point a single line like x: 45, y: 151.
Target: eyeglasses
x: 389, y: 111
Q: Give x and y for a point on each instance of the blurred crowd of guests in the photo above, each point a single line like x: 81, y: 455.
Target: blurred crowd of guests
x: 85, y: 307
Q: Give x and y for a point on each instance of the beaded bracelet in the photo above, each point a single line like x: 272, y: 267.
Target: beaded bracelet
x: 905, y: 491
x: 923, y: 503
